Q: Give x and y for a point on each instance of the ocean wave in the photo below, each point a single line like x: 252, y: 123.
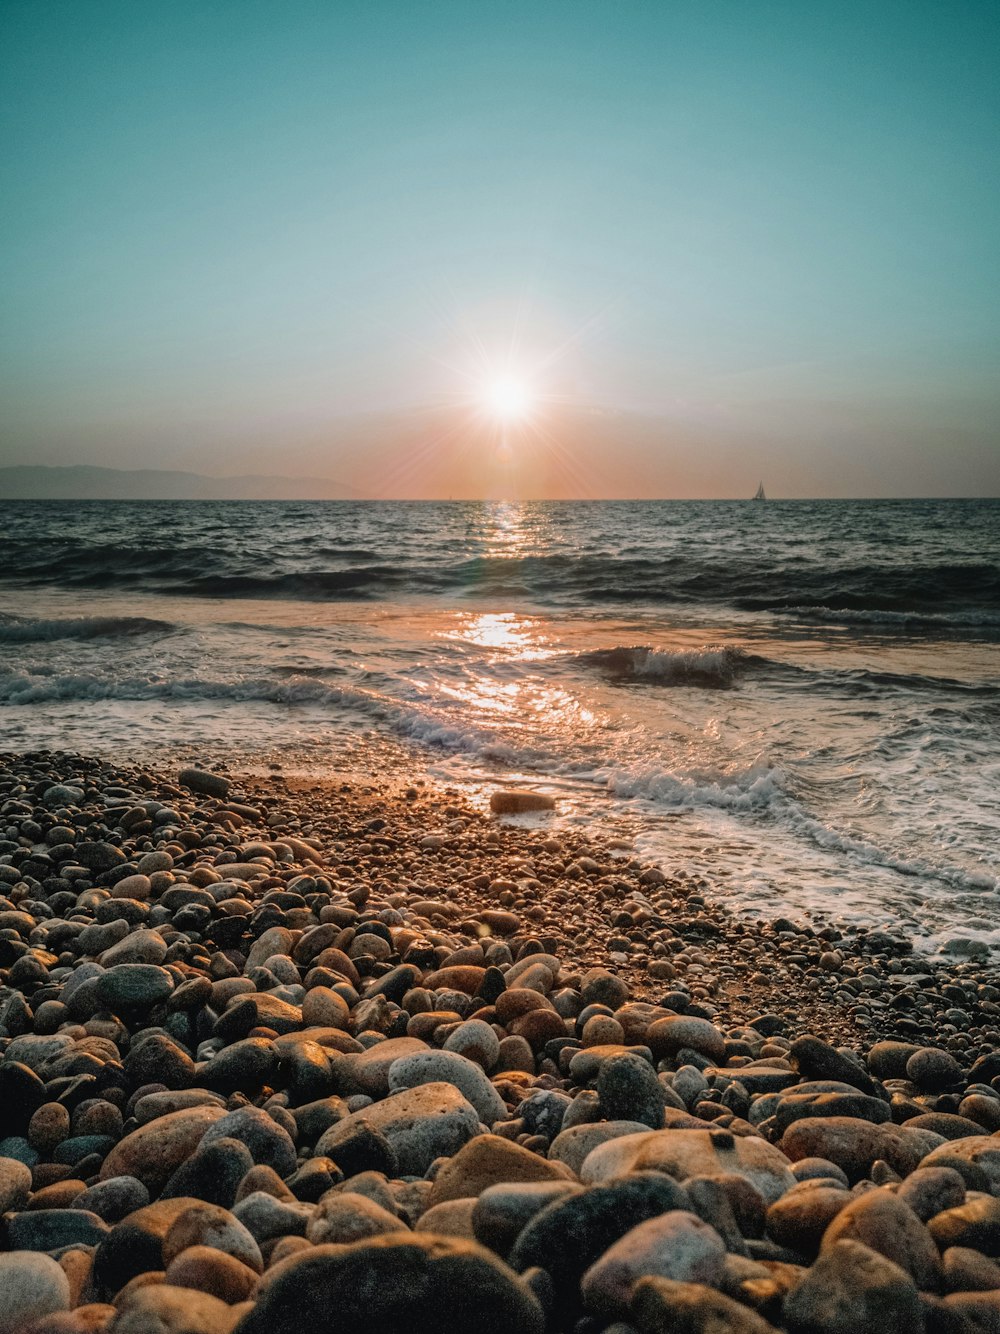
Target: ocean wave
x: 25, y: 630
x: 757, y: 787
x: 711, y: 668
x: 902, y: 620
x: 764, y: 790
x: 855, y: 588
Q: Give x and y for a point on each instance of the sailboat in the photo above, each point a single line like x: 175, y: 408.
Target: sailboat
x: 760, y: 492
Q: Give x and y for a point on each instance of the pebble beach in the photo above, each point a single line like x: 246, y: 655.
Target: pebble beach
x: 280, y: 1055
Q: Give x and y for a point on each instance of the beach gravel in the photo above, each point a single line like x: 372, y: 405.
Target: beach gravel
x: 279, y: 1055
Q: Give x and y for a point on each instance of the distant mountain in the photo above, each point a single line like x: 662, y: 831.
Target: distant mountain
x: 85, y: 483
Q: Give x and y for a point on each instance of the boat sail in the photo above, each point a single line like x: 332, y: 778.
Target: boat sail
x: 760, y: 492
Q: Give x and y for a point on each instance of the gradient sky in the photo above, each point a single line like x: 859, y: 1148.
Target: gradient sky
x: 729, y: 240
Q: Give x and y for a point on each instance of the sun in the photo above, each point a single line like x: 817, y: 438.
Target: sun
x: 507, y: 398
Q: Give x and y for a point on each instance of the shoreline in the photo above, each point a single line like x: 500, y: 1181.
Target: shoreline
x: 672, y: 916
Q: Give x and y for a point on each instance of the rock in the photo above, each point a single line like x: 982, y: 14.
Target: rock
x: 157, y: 1149
x: 31, y: 1285
x: 477, y: 1041
x: 212, y: 1173
x: 966, y: 1270
x: 98, y: 856
x: 51, y: 1229
x: 887, y: 1060
x: 975, y: 1224
x: 368, y: 1072
x: 818, y: 1060
x: 515, y: 801
x: 570, y: 1235
x: 113, y: 1199
x: 129, y: 986
x: 573, y: 1145
x: 599, y: 987
x: 628, y: 1089
x: 661, y: 1304
x: 212, y: 1271
x: 15, y: 1184
x: 851, y: 1288
x: 209, y: 785
x: 420, y: 1124
x: 269, y: 1143
x: 886, y: 1224
x: 343, y: 1217
x: 363, y: 1148
x: 487, y: 1161
x: 210, y: 1225
x: 242, y: 1067
x: 933, y: 1068
x: 688, y: 1153
x: 155, y: 1058
x: 502, y: 1211
x: 453, y: 1218
x: 796, y: 1106
x: 266, y: 1217
x: 666, y: 1037
x: 421, y: 1283
x: 448, y: 1067
x: 135, y: 1245
x: 976, y: 1158
x: 932, y: 1190
x: 675, y: 1245
x: 852, y: 1144
x: 799, y: 1219
x: 164, y: 1309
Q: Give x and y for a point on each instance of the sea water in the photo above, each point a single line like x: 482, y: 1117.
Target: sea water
x: 797, y: 702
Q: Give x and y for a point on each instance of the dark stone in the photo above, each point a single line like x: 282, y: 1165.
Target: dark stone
x: 49, y: 1229
x: 21, y: 1094
x: 818, y: 1060
x: 424, y: 1285
x: 568, y: 1236
x: 629, y: 1090
x: 113, y: 1199
x: 365, y: 1149
x: 135, y: 1245
x: 213, y: 1173
x: 209, y: 785
x: 270, y: 1144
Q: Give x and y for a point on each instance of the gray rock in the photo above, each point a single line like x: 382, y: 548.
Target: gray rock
x: 676, y: 1245
x: 133, y: 986
x: 448, y: 1067
x: 343, y: 1217
x: 198, y: 780
x: 269, y: 1143
x: 629, y: 1090
x: 421, y: 1124
x: 31, y: 1285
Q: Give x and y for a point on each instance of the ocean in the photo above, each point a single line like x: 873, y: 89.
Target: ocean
x: 796, y: 703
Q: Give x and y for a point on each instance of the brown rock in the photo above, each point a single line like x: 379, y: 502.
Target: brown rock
x: 489, y: 1160
x: 154, y: 1151
x: 214, y: 1272
x: 515, y: 801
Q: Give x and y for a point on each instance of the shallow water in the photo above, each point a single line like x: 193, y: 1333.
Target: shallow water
x: 798, y: 701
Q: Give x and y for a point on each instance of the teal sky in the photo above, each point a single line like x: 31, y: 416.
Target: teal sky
x: 737, y: 238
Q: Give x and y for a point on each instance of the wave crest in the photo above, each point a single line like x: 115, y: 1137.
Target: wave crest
x: 25, y: 630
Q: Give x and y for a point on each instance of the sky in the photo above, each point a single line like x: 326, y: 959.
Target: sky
x: 557, y: 248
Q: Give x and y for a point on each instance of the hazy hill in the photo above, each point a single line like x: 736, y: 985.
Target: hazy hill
x: 85, y: 483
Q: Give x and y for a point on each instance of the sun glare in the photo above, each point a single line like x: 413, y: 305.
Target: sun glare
x: 508, y: 399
